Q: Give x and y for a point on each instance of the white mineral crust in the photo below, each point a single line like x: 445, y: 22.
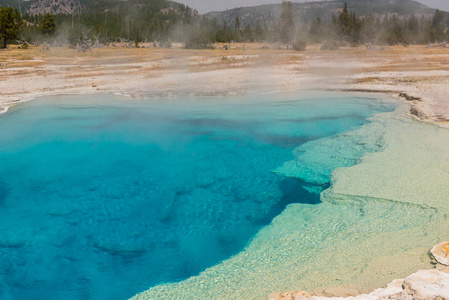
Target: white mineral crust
x: 441, y: 256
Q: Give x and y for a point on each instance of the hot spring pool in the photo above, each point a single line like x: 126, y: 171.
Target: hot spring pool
x: 102, y: 197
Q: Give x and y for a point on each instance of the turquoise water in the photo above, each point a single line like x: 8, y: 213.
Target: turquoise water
x: 103, y: 197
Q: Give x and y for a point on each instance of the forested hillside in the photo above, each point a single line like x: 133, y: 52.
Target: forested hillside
x: 133, y: 19
x: 323, y: 9
x: 331, y: 23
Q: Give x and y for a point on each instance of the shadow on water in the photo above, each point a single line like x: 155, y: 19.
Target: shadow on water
x: 293, y: 191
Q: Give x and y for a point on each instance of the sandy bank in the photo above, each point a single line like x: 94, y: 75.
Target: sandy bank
x: 417, y: 71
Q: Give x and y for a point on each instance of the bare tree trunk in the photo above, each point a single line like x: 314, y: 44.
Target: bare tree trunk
x: 45, y: 48
x: 128, y: 26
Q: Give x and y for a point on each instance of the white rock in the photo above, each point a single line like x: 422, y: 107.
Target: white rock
x: 427, y: 284
x: 441, y: 256
x: 422, y: 285
x: 393, y: 288
x: 3, y: 109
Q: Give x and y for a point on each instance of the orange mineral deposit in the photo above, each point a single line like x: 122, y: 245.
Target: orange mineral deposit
x: 446, y: 248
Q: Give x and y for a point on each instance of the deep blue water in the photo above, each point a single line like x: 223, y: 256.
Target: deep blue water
x: 103, y: 197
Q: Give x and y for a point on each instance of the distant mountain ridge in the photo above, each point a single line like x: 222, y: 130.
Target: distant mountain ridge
x: 324, y: 9
x: 248, y: 15
x: 54, y: 7
x: 33, y: 7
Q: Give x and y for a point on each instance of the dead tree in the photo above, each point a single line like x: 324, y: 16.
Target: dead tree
x: 125, y: 43
x: 36, y: 41
x: 45, y: 48
x: 58, y: 41
x: 166, y: 44
x: 85, y: 43
x: 23, y: 44
x: 97, y: 43
x: 370, y: 46
x: 437, y: 45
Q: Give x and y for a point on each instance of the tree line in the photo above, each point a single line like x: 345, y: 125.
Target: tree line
x: 108, y: 21
x: 162, y: 21
x: 387, y: 30
x: 346, y: 28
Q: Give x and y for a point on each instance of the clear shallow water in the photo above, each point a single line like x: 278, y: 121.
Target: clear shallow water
x: 376, y: 222
x: 101, y: 197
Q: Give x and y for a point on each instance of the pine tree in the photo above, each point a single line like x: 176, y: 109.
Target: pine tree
x: 412, y: 29
x: 370, y: 28
x: 413, y: 25
x: 214, y: 27
x: 437, y: 27
x: 10, y: 24
x: 345, y: 24
x: 214, y: 23
x: 199, y: 37
x: 48, y: 25
x: 237, y: 29
x: 356, y: 34
x: 334, y: 19
x: 316, y: 31
x: 287, y: 23
x: 259, y: 34
x: 248, y: 33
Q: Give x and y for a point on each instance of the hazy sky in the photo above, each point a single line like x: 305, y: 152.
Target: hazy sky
x: 204, y: 6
